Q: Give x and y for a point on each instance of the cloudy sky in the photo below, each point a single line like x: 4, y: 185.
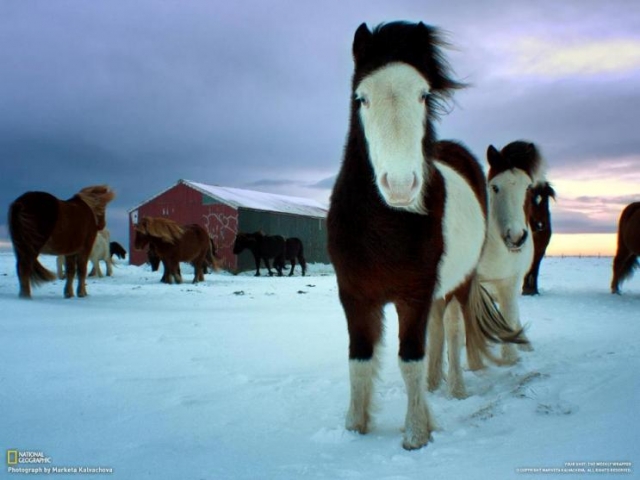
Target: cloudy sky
x: 255, y: 94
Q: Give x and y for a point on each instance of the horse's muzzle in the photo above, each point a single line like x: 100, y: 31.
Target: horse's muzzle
x: 515, y: 244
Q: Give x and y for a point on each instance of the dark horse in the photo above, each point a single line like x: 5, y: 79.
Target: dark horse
x: 118, y: 250
x: 408, y: 218
x: 626, y: 259
x: 540, y: 222
x: 174, y: 244
x: 41, y: 223
x: 293, y: 249
x: 263, y: 247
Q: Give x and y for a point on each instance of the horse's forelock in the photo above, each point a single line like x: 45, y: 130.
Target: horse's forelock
x: 415, y: 44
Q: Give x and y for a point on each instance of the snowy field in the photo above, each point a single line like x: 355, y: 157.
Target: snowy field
x: 247, y: 378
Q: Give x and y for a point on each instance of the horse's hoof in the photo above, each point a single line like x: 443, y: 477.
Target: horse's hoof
x: 525, y: 347
x: 416, y: 440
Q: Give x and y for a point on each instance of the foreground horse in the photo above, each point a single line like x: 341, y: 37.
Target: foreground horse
x: 293, y: 250
x: 407, y: 219
x: 506, y: 258
x: 99, y: 252
x: 174, y: 244
x: 40, y: 223
x: 626, y: 259
x: 263, y: 247
x: 540, y: 221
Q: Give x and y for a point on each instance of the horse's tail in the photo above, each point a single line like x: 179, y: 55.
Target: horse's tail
x: 212, y: 256
x: 28, y: 240
x: 484, y: 323
x: 625, y: 262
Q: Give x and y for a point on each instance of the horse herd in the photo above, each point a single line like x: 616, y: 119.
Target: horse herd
x: 413, y: 221
x: 75, y: 230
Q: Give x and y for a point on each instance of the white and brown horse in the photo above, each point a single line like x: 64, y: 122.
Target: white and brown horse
x: 505, y: 260
x: 407, y: 220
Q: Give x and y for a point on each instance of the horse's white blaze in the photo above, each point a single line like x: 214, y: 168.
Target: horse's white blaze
x: 508, y: 218
x: 393, y: 113
x: 463, y: 229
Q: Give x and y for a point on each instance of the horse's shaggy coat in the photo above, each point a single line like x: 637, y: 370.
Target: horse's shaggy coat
x: 505, y: 258
x: 263, y: 248
x: 40, y: 223
x: 540, y: 221
x: 626, y: 259
x: 407, y: 220
x: 173, y: 243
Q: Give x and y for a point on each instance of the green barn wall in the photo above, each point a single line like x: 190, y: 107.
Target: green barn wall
x: 311, y: 230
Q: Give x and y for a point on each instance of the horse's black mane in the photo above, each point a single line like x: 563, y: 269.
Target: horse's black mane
x: 519, y: 154
x: 415, y: 44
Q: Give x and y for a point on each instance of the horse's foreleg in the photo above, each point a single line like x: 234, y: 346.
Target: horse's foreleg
x: 82, y: 263
x: 454, y: 332
x: 109, y: 263
x: 413, y: 325
x: 303, y: 264
x: 435, y: 345
x: 257, y: 260
x: 59, y: 265
x: 177, y: 274
x: 293, y: 265
x: 167, y: 275
x: 364, y: 322
x: 70, y: 267
x: 530, y: 284
x: 508, y: 300
x: 268, y: 265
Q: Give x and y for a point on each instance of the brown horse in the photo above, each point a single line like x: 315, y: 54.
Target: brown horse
x: 626, y: 259
x: 41, y: 223
x: 173, y: 244
x: 408, y: 218
x: 540, y: 222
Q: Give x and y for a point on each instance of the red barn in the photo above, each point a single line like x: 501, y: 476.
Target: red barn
x: 224, y: 212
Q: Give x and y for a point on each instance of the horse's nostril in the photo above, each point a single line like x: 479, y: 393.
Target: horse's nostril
x: 384, y: 181
x: 414, y: 184
x: 523, y: 238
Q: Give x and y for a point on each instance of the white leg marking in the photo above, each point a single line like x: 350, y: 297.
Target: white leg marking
x: 418, y: 422
x: 362, y: 374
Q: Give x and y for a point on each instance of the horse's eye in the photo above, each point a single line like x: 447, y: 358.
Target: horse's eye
x: 495, y: 188
x: 424, y: 97
x: 361, y: 100
x: 530, y: 186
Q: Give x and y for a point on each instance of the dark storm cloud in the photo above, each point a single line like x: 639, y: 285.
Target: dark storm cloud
x: 140, y: 94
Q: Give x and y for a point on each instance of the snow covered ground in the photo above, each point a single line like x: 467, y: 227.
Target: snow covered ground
x: 247, y: 378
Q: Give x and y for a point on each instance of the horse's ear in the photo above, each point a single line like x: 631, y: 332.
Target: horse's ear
x: 361, y: 42
x: 549, y: 190
x: 493, y: 157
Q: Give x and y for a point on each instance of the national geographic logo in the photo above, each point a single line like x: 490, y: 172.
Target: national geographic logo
x: 27, y: 457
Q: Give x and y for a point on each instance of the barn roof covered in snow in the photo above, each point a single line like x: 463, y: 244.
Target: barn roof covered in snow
x: 269, y: 202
